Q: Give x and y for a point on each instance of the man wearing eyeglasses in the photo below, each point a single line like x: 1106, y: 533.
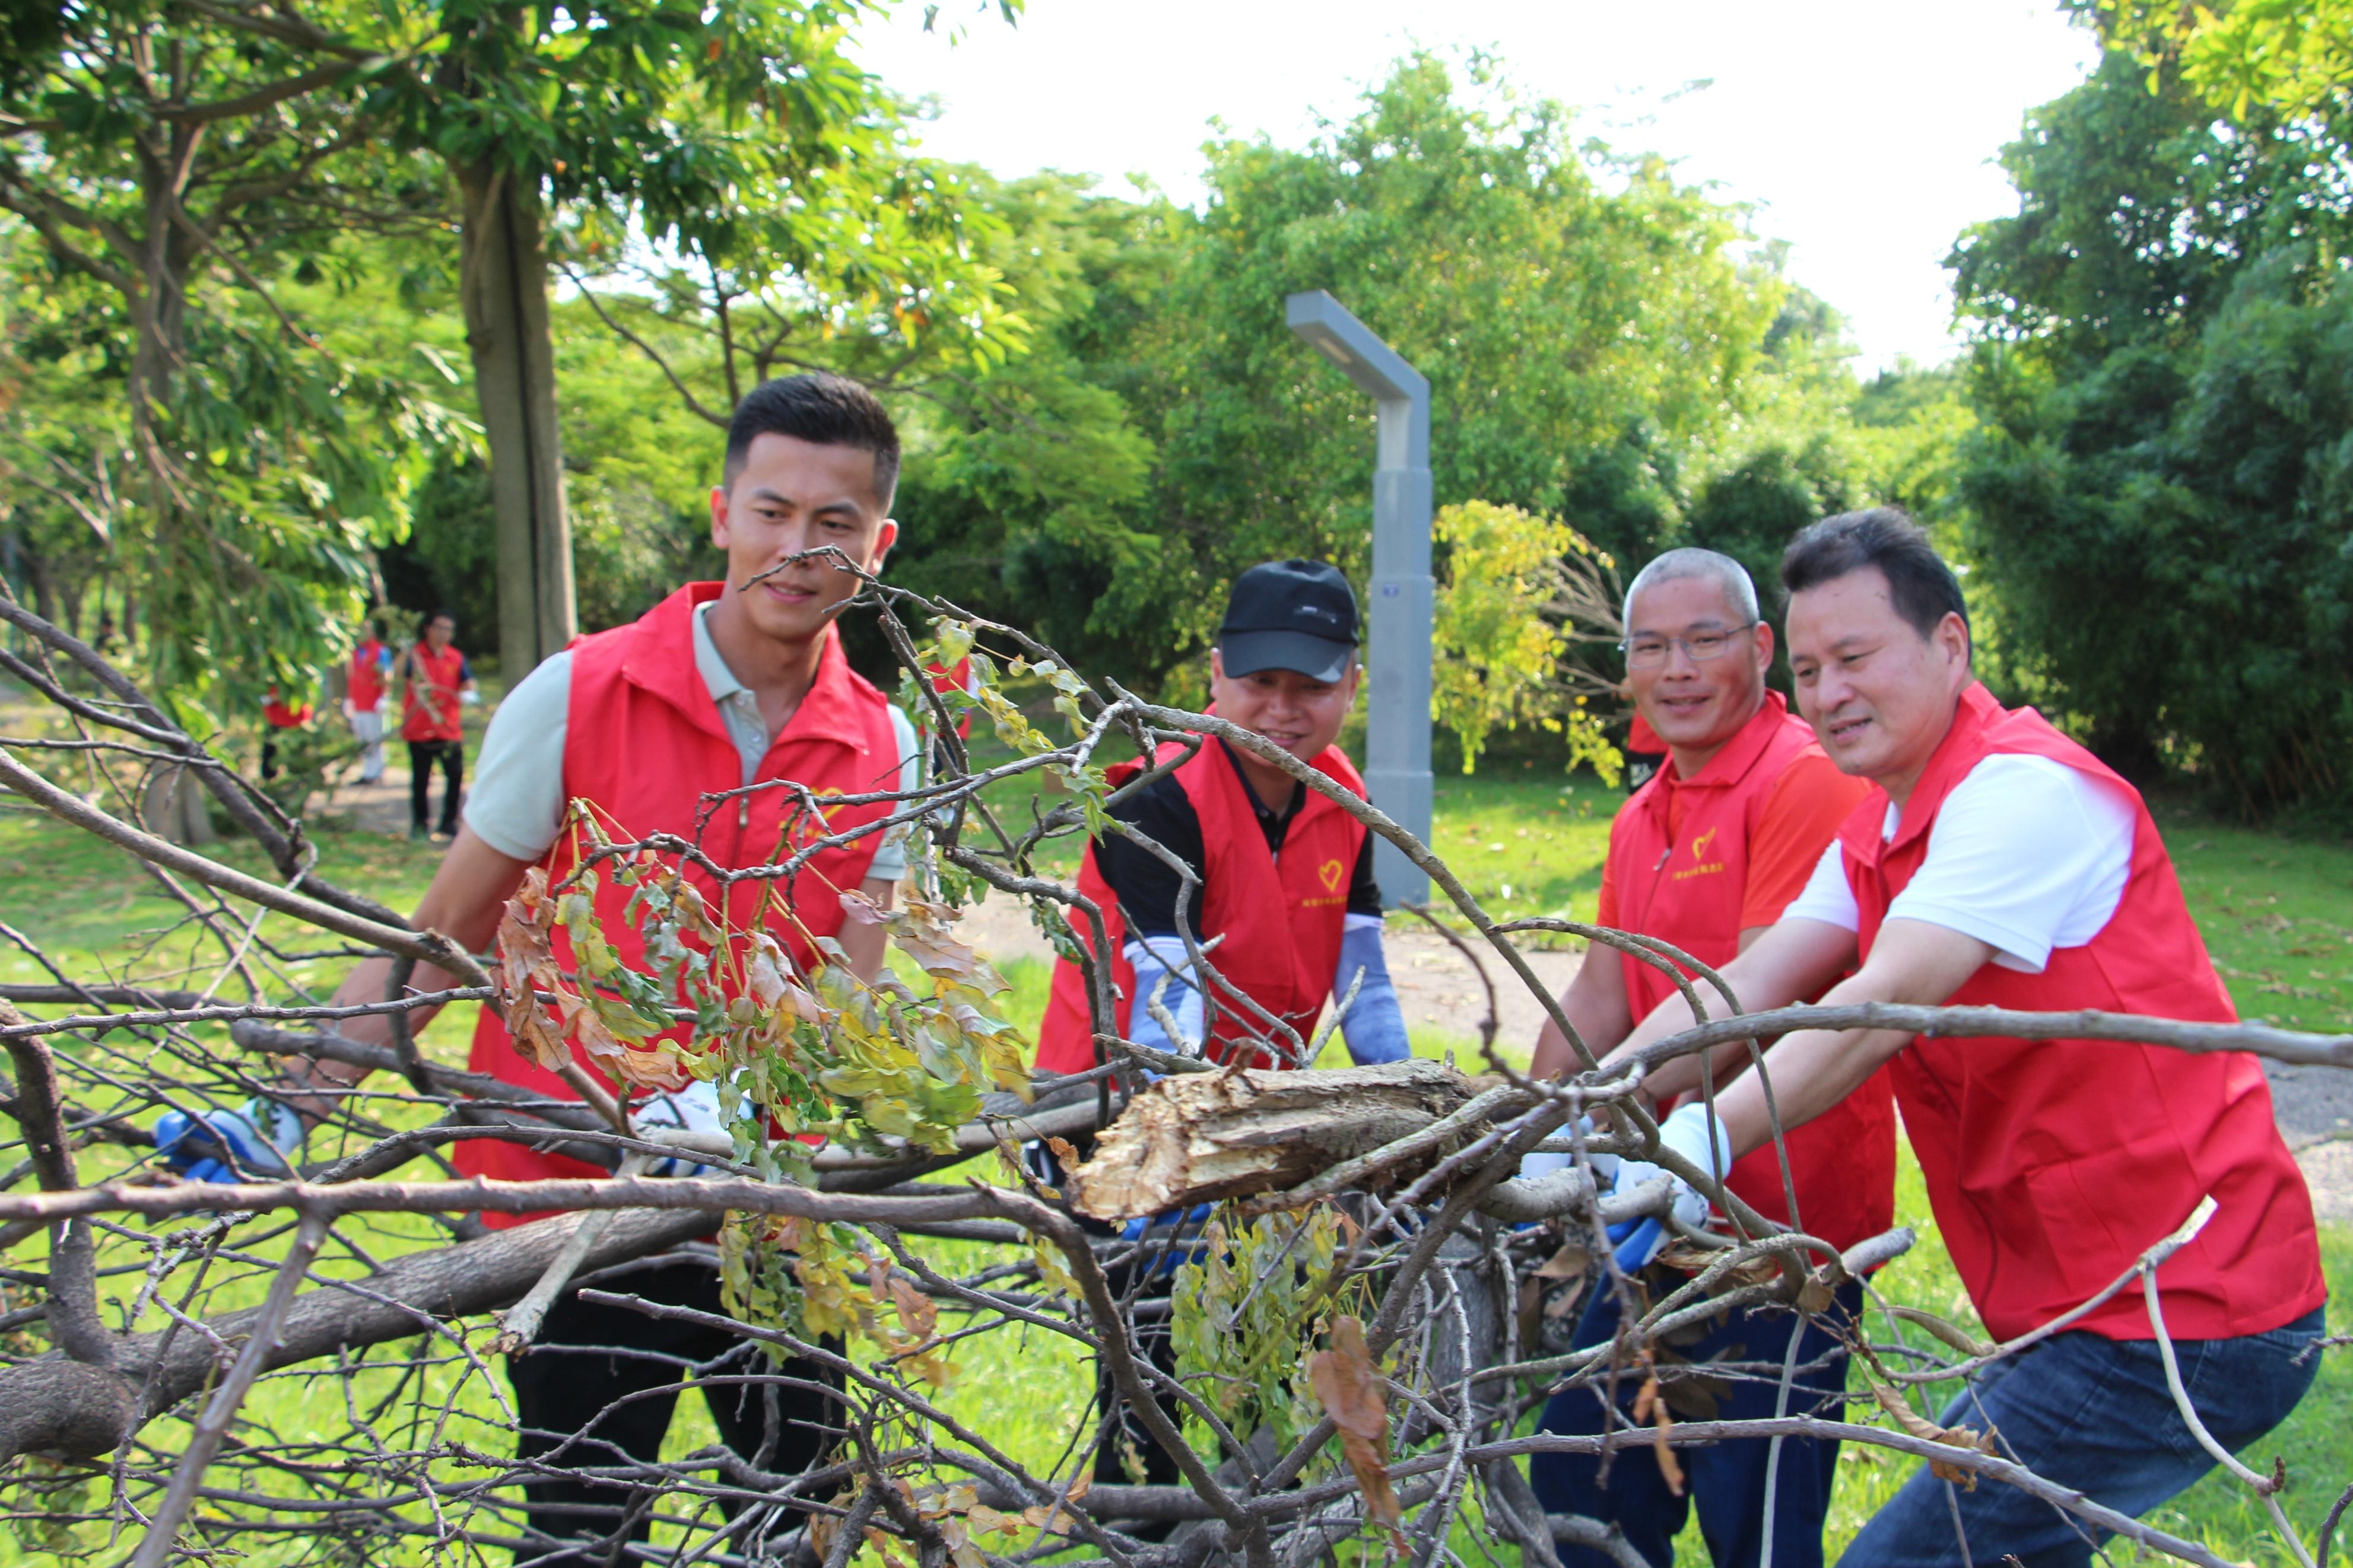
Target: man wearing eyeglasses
x: 1996, y: 863
x: 1704, y: 856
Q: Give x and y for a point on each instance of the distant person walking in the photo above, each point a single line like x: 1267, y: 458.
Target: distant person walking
x: 436, y: 683
x: 370, y: 672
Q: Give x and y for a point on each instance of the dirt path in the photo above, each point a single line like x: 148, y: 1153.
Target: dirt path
x: 1435, y: 985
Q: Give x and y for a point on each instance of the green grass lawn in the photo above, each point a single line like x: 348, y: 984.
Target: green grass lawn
x: 1523, y: 843
x: 2278, y: 917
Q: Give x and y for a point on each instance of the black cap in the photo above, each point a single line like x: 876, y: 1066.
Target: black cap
x: 1290, y: 614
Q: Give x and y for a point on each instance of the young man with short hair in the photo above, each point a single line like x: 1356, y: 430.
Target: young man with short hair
x: 720, y: 686
x: 1704, y: 857
x: 1997, y: 863
x: 437, y: 686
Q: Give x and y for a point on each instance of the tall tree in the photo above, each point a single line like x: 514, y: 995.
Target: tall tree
x: 1556, y: 296
x: 172, y: 167
x: 2155, y: 497
x: 732, y: 130
x: 146, y: 140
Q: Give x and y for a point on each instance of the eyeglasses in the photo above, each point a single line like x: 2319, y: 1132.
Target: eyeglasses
x: 1649, y: 653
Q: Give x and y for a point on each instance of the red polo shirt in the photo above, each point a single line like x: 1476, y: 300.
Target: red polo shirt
x: 1695, y: 862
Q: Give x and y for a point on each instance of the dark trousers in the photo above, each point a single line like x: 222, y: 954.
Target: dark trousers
x: 1725, y: 1481
x: 572, y: 1392
x: 1151, y: 1277
x: 422, y: 755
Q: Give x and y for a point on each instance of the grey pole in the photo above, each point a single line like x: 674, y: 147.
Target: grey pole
x: 1398, y: 643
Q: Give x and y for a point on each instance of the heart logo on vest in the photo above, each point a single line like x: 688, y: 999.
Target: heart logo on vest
x: 1699, y: 844
x: 1332, y: 871
x: 807, y: 822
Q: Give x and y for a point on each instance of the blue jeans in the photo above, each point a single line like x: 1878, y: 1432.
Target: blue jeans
x: 1725, y: 1480
x: 2094, y: 1415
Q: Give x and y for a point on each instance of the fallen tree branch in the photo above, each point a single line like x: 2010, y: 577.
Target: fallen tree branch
x: 425, y: 946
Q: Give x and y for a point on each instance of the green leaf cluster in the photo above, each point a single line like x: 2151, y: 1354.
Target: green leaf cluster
x: 1502, y: 632
x: 1243, y: 1316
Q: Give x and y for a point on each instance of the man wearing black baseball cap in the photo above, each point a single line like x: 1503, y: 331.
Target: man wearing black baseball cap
x: 1286, y: 875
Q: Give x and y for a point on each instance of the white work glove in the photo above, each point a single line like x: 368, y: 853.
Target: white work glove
x: 470, y: 699
x: 1604, y: 1166
x: 1688, y: 1133
x: 694, y: 1109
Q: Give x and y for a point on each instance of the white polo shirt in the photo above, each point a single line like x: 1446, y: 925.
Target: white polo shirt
x: 2027, y: 855
x: 517, y: 802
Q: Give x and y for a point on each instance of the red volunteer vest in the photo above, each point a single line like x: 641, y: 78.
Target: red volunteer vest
x: 279, y: 715
x: 1689, y: 892
x: 2053, y: 1164
x: 1281, y: 916
x: 643, y: 742
x: 366, y: 688
x: 433, y: 712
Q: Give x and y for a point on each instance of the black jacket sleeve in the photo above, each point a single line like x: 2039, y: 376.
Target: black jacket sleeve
x: 1147, y: 890
x: 1364, y: 893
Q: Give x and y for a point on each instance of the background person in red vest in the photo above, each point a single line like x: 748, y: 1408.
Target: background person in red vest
x: 719, y: 686
x: 364, y: 688
x: 1704, y: 856
x: 437, y: 686
x: 1285, y: 876
x: 1998, y: 863
x: 278, y: 716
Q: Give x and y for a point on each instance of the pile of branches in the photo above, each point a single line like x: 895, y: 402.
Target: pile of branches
x: 274, y: 1364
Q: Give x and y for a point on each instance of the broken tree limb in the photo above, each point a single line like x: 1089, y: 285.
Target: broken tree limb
x: 429, y: 946
x: 1200, y: 1138
x: 64, y: 1407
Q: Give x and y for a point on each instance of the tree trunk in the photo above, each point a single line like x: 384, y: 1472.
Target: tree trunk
x: 504, y: 288
x: 172, y: 806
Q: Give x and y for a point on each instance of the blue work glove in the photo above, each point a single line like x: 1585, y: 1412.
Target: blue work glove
x: 1699, y: 1136
x: 1195, y: 1218
x: 1155, y: 959
x: 1373, y: 1028
x: 694, y: 1109
x: 260, y: 1138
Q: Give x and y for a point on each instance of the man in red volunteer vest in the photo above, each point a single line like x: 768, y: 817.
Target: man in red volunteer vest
x: 719, y: 686
x: 1998, y: 863
x: 1704, y: 856
x: 1285, y: 883
x: 437, y: 686
x: 1285, y: 878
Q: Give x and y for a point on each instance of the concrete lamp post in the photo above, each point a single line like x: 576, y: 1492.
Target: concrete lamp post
x: 1398, y: 642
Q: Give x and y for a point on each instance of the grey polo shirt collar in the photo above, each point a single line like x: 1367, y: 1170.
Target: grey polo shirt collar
x: 739, y: 708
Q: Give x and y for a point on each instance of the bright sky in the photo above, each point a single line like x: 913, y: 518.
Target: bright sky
x: 1862, y: 131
